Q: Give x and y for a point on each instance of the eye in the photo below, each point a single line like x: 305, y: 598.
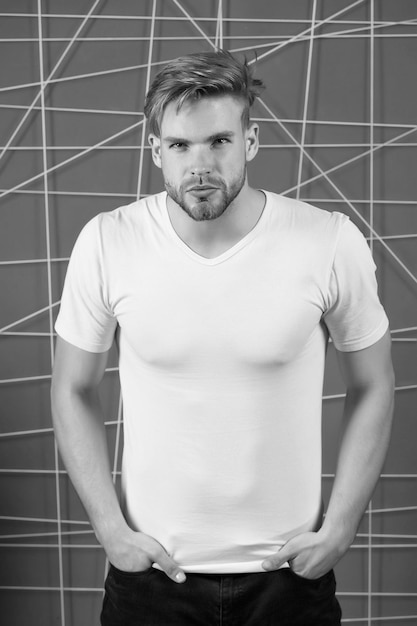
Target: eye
x: 178, y: 145
x: 221, y: 141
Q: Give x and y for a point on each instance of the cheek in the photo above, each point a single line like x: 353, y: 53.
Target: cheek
x: 239, y: 157
x: 170, y: 169
x: 173, y: 160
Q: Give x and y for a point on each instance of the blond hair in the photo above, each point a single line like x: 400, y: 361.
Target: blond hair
x: 200, y: 75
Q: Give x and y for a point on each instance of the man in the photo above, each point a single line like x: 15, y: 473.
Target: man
x: 222, y: 298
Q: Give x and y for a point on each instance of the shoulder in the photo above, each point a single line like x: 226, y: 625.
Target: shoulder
x: 122, y: 225
x: 308, y: 228
x: 303, y: 216
x: 129, y: 216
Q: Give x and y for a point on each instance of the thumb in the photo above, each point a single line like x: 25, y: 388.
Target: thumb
x: 284, y: 555
x: 170, y: 568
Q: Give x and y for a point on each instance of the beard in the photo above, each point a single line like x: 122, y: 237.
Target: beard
x: 209, y: 206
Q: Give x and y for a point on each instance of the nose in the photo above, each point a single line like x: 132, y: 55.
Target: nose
x: 201, y: 163
x: 200, y: 171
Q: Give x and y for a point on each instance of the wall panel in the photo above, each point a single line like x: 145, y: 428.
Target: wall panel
x: 338, y: 129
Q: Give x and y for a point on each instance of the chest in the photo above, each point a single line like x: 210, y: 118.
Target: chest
x: 234, y: 315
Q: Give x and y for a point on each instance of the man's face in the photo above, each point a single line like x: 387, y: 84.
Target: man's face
x: 203, y: 150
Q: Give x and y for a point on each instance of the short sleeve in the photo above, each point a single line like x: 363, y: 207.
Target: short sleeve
x: 354, y: 316
x: 85, y: 318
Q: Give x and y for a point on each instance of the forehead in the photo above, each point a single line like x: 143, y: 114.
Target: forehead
x: 210, y: 112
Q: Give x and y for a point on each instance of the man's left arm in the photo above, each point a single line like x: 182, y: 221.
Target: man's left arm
x: 367, y: 420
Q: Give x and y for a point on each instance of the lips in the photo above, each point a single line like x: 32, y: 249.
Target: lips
x: 202, y: 191
x: 201, y: 188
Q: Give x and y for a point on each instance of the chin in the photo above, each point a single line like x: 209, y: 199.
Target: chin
x: 203, y: 211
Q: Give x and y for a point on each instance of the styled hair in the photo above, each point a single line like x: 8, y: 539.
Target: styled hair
x: 200, y: 75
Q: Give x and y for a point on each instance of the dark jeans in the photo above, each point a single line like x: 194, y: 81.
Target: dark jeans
x: 279, y: 598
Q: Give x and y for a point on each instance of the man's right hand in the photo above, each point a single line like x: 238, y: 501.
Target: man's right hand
x: 132, y: 551
x: 81, y: 435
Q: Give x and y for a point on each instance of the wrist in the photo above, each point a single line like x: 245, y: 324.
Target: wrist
x: 337, y: 535
x: 111, y: 530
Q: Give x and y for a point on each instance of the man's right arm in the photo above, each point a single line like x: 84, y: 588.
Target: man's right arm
x: 80, y: 433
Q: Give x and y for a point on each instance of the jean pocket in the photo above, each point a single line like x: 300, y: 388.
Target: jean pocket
x: 316, y: 583
x: 122, y: 574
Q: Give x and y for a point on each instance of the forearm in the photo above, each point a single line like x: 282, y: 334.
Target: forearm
x: 82, y: 442
x: 81, y: 437
x: 367, y: 420
x: 367, y: 426
x: 368, y: 417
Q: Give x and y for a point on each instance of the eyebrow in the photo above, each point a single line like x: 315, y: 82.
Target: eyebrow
x: 227, y: 134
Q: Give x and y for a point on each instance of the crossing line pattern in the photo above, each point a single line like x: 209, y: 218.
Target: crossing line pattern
x: 338, y: 129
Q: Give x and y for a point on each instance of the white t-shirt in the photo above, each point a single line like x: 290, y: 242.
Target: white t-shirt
x: 221, y: 368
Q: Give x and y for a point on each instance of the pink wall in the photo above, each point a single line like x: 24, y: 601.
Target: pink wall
x: 341, y: 86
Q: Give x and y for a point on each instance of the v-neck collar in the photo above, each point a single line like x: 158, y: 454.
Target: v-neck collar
x: 257, y: 228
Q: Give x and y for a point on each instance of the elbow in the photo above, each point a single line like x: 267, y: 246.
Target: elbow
x: 390, y: 389
x: 54, y: 396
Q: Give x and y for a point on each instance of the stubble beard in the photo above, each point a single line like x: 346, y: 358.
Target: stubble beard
x: 210, y: 207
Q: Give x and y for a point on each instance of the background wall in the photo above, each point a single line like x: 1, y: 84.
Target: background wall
x: 338, y: 128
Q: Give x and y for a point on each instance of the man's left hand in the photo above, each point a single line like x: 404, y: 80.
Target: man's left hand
x: 309, y: 555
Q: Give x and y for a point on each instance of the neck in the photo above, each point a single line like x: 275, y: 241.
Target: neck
x: 210, y: 238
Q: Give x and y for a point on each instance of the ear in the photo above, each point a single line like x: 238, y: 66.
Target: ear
x: 155, y: 143
x: 252, y: 141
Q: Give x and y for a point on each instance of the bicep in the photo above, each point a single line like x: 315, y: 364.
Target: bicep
x: 76, y: 369
x: 369, y: 367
